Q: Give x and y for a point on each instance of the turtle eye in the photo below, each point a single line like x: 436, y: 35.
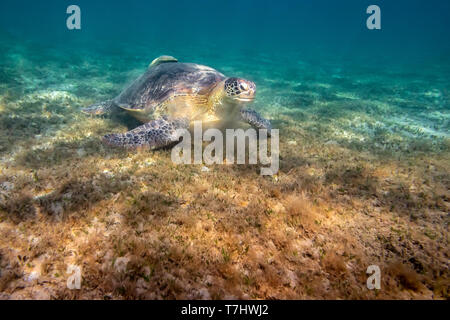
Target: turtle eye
x: 244, y: 86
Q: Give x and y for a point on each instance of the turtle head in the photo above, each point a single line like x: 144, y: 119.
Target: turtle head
x: 239, y: 90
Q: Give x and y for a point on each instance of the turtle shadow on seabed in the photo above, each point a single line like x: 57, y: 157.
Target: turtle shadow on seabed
x: 123, y: 117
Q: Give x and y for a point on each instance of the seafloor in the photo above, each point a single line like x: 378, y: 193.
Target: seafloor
x: 364, y: 180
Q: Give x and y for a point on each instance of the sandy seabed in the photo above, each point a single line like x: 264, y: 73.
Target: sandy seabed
x: 363, y: 180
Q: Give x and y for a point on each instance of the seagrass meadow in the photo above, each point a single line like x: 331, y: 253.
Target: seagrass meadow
x: 364, y: 174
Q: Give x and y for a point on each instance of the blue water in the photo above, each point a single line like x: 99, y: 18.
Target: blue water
x: 416, y: 29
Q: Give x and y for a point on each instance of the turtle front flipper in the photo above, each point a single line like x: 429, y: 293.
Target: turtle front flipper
x: 100, y: 108
x: 256, y: 120
x: 154, y: 134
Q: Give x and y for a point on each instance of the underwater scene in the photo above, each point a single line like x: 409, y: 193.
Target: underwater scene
x: 92, y: 205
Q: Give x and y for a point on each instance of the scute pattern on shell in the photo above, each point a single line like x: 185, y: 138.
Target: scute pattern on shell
x: 167, y: 80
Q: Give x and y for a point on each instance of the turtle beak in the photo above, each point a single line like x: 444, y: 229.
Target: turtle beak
x: 245, y: 99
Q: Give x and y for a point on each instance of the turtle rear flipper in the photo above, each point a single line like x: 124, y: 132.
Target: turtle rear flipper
x: 154, y: 134
x: 100, y: 108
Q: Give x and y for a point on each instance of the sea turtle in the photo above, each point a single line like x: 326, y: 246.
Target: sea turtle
x: 170, y: 95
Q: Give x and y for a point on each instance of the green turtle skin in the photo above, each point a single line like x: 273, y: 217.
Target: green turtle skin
x: 153, y: 134
x: 170, y: 95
